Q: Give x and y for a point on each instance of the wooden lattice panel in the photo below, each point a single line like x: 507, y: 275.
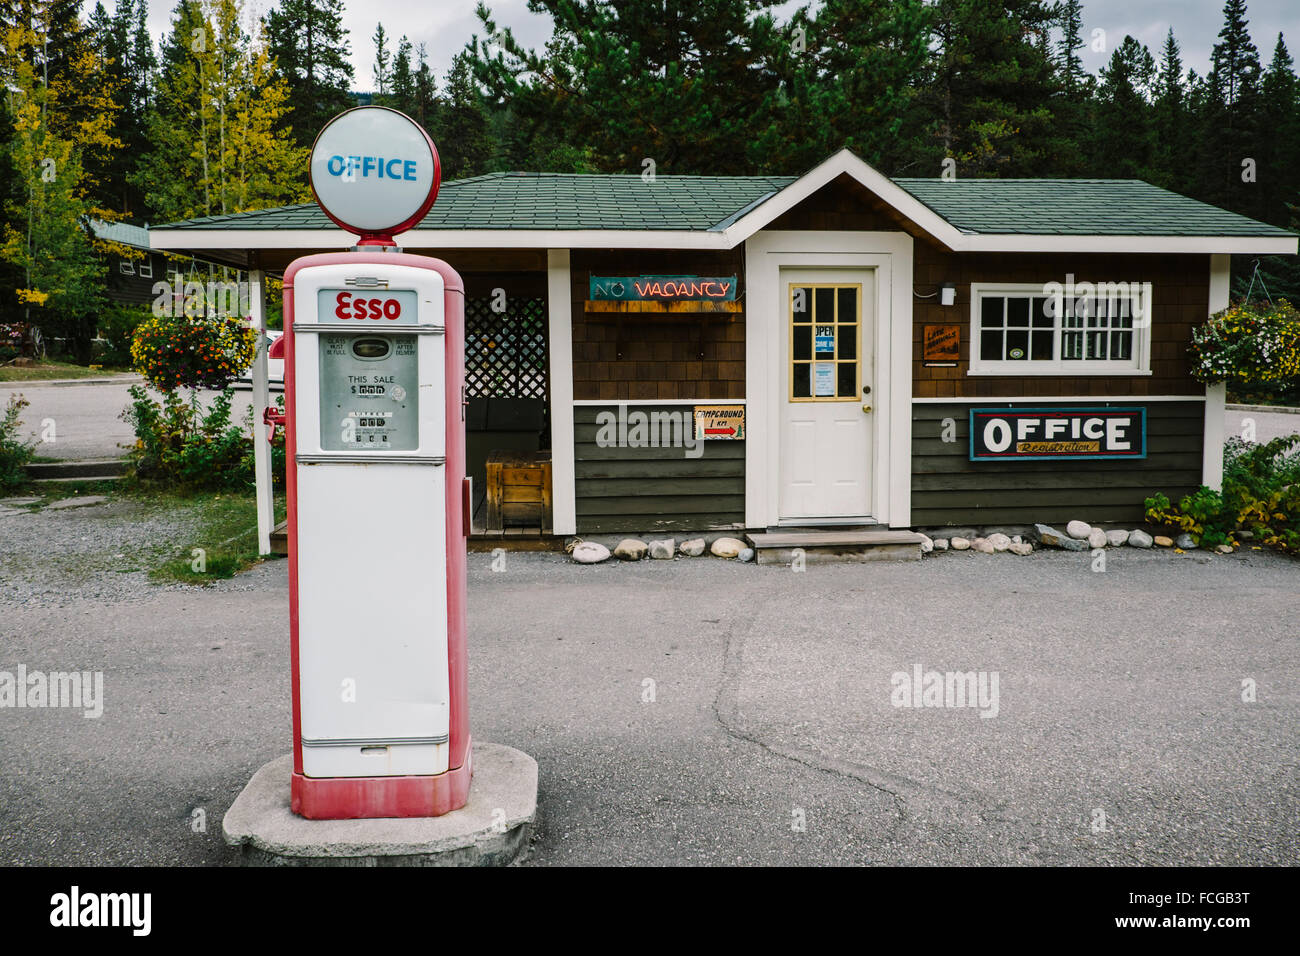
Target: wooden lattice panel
x: 505, y: 352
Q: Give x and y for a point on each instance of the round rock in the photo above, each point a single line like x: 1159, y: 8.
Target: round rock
x: 1117, y: 538
x: 631, y: 549
x: 589, y: 552
x: 727, y: 547
x: 999, y: 541
x: 1140, y: 539
x: 959, y: 544
x: 1079, y: 530
x: 746, y: 555
x: 1097, y: 538
x: 1021, y: 548
x: 692, y: 548
x: 927, y: 544
x: 663, y: 549
x: 1163, y: 542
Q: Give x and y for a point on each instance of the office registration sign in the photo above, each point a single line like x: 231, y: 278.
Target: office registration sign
x: 1017, y: 434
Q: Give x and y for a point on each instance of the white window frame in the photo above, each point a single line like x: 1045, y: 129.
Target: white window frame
x: 126, y: 267
x: 146, y: 268
x: 1139, y: 364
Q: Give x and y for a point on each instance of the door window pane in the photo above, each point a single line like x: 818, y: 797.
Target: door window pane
x: 802, y: 342
x: 824, y: 305
x: 801, y: 303
x: 848, y: 305
x: 801, y: 379
x: 848, y: 342
x: 848, y: 374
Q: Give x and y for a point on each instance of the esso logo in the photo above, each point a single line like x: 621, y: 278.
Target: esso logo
x: 347, y: 306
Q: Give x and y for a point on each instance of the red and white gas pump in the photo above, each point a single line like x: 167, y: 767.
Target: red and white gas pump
x: 378, y: 501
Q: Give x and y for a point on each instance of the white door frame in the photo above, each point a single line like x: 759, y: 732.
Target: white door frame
x: 890, y: 255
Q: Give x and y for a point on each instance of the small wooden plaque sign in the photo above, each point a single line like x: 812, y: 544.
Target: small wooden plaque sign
x: 941, y: 344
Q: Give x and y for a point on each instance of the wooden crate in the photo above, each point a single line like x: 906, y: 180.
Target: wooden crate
x: 518, y: 491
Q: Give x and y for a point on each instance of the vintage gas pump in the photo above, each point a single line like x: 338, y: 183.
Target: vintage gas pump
x: 377, y: 496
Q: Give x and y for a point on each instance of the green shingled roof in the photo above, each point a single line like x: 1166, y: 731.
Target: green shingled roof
x: 551, y: 201
x: 1077, y: 207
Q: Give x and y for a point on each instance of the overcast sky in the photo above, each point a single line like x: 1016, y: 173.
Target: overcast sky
x: 445, y: 26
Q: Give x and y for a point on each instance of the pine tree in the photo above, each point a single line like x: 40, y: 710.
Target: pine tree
x: 675, y: 82
x: 401, y: 83
x: 124, y: 39
x: 1124, y: 145
x: 1231, y: 121
x: 989, y: 87
x: 1170, y: 117
x: 383, y: 61
x: 462, y: 132
x: 850, y: 82
x: 310, y: 46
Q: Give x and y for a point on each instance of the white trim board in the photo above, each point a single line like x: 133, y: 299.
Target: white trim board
x: 1018, y: 400
x: 1216, y: 396
x: 890, y: 255
x: 658, y: 401
x: 559, y: 337
x: 193, y: 239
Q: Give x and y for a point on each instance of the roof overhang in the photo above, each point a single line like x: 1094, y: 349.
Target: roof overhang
x: 734, y: 233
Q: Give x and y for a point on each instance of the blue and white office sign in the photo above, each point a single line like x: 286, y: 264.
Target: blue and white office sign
x: 374, y: 171
x: 1018, y: 434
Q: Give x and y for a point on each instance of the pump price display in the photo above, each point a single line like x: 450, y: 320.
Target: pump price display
x: 369, y: 394
x: 371, y: 308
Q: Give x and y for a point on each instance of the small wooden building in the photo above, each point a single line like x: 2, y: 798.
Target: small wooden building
x: 837, y: 348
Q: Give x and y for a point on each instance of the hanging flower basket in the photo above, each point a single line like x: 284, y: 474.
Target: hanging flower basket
x: 182, y: 352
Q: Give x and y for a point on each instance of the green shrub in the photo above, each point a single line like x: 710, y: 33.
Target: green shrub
x: 183, y: 445
x: 14, y: 452
x: 117, y: 325
x: 1261, y: 494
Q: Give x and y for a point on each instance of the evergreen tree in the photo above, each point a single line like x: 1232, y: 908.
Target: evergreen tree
x: 383, y: 61
x: 462, y: 132
x: 988, y: 88
x: 1279, y: 162
x: 675, y: 82
x: 124, y: 38
x: 848, y: 76
x: 310, y: 46
x: 1231, y: 120
x: 401, y: 91
x: 1171, y: 167
x: 1125, y: 145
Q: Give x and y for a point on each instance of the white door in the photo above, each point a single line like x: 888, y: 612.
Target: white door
x: 828, y: 398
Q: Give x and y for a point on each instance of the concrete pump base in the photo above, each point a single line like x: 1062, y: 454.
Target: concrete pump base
x: 492, y: 829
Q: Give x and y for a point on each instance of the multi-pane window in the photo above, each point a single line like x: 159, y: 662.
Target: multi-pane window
x: 825, y: 322
x: 1022, y: 331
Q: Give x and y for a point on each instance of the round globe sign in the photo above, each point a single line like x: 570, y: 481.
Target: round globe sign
x: 374, y: 171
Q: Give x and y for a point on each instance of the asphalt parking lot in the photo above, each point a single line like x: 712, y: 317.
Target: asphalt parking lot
x: 772, y: 737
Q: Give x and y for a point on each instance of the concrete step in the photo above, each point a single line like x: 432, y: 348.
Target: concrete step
x: 86, y: 470
x: 820, y: 546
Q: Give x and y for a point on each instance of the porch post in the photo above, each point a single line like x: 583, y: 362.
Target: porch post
x: 1216, y: 396
x: 559, y: 338
x: 261, y: 398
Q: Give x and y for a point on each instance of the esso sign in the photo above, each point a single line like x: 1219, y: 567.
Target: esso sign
x: 374, y: 171
x: 347, y: 306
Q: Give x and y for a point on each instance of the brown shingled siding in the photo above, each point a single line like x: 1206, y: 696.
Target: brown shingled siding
x: 1180, y: 300
x: 661, y: 359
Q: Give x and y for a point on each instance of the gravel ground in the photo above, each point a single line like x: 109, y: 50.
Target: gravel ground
x: 771, y: 737
x: 51, y: 556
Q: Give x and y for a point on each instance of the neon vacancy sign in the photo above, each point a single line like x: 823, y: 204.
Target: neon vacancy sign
x: 662, y: 288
